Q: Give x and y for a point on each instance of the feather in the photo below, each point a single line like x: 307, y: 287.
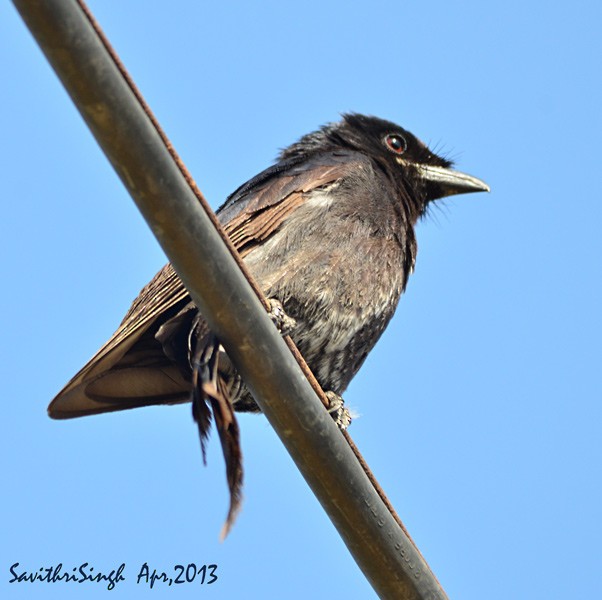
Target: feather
x: 210, y: 389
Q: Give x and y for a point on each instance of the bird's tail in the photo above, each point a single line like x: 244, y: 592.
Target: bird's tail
x: 211, y: 396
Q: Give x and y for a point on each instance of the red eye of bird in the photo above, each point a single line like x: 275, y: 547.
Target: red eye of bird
x: 396, y: 143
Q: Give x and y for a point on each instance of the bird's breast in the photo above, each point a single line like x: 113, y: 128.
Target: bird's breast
x: 340, y: 277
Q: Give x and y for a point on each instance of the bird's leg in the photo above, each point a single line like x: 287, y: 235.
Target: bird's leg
x: 283, y: 322
x: 339, y: 412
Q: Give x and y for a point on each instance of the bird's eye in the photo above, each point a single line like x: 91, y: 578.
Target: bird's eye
x: 396, y: 143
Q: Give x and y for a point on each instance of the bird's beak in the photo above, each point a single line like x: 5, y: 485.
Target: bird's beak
x: 448, y: 182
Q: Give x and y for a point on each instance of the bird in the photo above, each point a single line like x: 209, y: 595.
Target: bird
x: 328, y: 232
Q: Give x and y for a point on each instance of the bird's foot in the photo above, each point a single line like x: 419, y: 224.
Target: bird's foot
x: 283, y: 322
x: 339, y: 412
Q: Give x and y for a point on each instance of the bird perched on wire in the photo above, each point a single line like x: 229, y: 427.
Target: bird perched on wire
x: 328, y: 234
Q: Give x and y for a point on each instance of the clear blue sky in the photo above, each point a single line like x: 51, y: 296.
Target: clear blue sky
x: 480, y: 407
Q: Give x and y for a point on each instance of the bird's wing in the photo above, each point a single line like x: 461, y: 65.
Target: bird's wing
x: 256, y: 209
x: 131, y: 369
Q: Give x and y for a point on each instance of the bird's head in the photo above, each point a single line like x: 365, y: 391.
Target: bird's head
x: 419, y: 172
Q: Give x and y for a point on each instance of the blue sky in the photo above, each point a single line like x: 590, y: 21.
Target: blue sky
x: 480, y: 407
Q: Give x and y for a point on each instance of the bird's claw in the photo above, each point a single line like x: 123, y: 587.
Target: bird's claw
x: 339, y: 412
x: 283, y: 322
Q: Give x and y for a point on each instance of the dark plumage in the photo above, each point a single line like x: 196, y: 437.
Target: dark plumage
x: 328, y: 231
